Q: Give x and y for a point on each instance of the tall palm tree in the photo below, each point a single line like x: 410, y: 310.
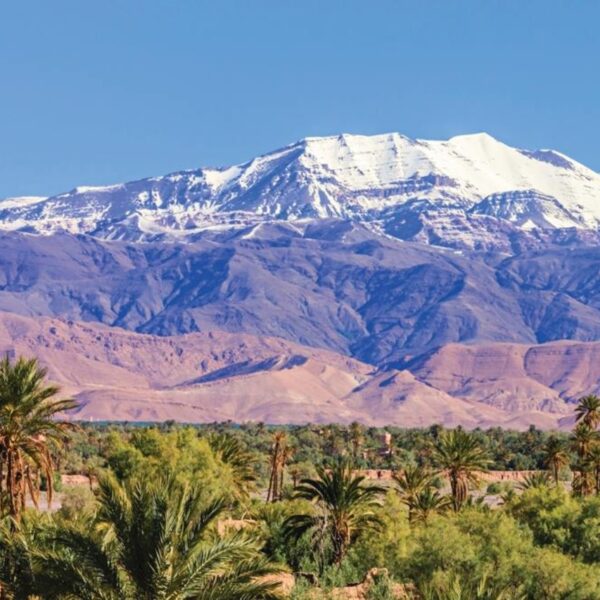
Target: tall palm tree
x: 334, y: 441
x: 28, y: 432
x: 584, y: 438
x: 588, y: 411
x: 279, y: 456
x: 461, y: 456
x: 153, y: 541
x: 356, y: 435
x: 555, y: 457
x: 594, y: 465
x: 344, y: 507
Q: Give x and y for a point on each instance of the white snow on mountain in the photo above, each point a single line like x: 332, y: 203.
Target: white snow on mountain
x: 374, y: 179
x: 21, y: 201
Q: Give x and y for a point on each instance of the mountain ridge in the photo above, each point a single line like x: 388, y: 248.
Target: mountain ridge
x: 376, y: 180
x: 334, y: 284
x: 382, y: 249
x: 215, y: 376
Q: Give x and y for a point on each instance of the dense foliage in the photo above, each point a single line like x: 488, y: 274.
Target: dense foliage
x: 220, y: 511
x: 310, y: 445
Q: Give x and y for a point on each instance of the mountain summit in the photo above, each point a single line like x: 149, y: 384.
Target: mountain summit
x: 378, y: 278
x: 470, y: 190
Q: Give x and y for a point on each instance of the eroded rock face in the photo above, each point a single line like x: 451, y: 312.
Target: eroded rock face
x: 515, y: 377
x: 218, y: 376
x: 334, y: 285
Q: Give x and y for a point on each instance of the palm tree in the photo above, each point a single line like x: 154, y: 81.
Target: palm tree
x: 231, y: 452
x: 582, y: 479
x: 428, y: 502
x: 472, y: 587
x: 588, y: 411
x: 28, y: 432
x: 334, y: 441
x: 16, y: 565
x: 279, y: 456
x: 410, y: 483
x: 555, y: 457
x: 461, y: 456
x: 344, y: 507
x: 150, y: 541
x: 594, y: 464
x: 583, y: 439
x: 535, y: 480
x: 356, y: 438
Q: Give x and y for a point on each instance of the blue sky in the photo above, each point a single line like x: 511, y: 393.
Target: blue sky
x: 102, y: 92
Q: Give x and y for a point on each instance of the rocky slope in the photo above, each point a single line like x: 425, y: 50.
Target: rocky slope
x: 334, y: 285
x: 203, y: 377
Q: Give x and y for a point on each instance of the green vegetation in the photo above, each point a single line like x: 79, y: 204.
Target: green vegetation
x: 344, y: 507
x: 27, y: 433
x: 151, y: 539
x: 462, y: 457
x: 222, y: 511
x: 415, y: 486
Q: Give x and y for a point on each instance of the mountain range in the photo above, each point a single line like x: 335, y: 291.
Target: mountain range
x: 217, y: 376
x: 388, y: 253
x: 410, y: 189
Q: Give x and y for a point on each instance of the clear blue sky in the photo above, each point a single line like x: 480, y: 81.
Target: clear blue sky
x: 95, y: 92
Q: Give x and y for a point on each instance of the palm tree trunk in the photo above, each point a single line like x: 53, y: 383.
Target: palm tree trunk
x: 281, y: 470
x: 270, y: 488
x: 2, y: 506
x: 272, y: 492
x: 454, y: 486
x: 339, y: 547
x: 11, y: 485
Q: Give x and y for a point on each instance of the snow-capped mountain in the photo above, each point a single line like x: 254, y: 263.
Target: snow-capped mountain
x: 466, y: 188
x: 359, y: 247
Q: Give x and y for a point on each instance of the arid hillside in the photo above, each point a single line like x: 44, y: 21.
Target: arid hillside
x: 199, y: 377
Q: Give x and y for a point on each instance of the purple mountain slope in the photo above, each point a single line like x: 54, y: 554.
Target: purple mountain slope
x: 336, y: 285
x: 382, y: 248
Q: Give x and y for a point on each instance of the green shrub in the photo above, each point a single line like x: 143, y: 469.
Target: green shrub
x: 76, y: 501
x: 494, y: 488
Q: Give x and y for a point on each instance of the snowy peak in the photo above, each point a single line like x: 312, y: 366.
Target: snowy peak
x: 527, y: 209
x: 371, y: 179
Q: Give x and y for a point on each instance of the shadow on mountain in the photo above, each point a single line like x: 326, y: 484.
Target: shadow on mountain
x: 249, y: 367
